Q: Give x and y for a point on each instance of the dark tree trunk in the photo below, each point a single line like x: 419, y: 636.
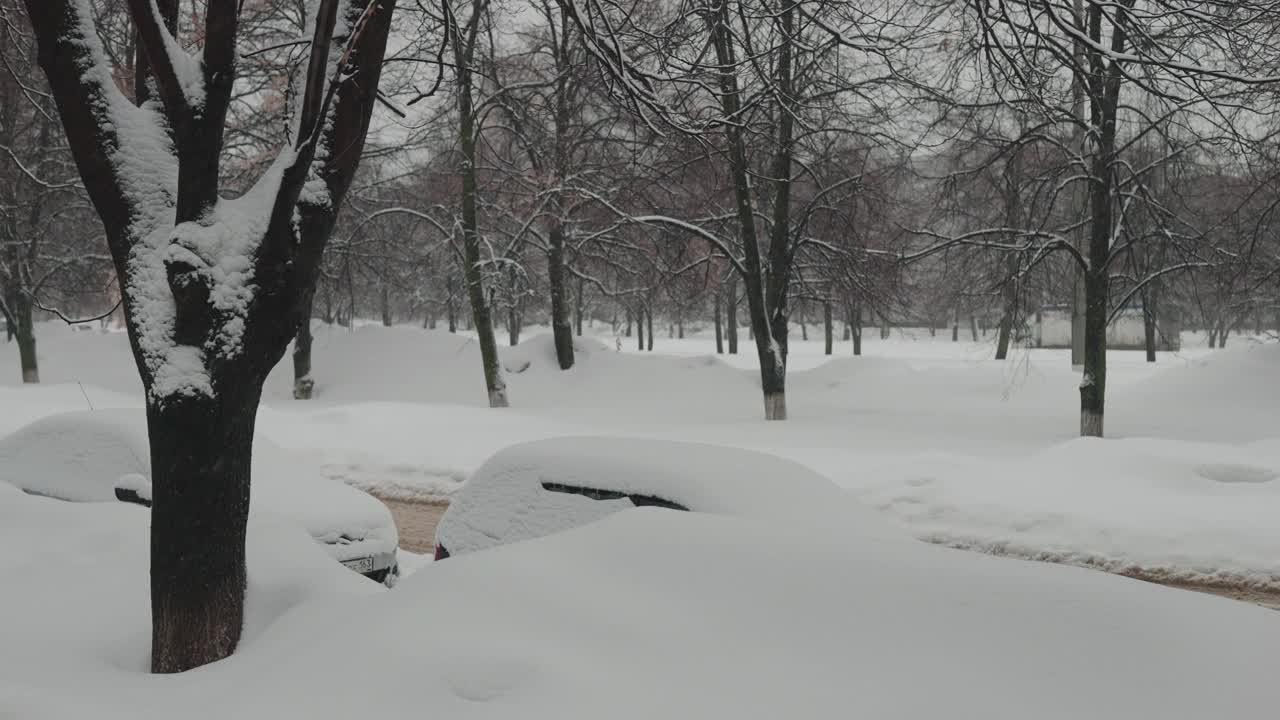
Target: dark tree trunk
x: 1004, y: 335
x: 680, y: 327
x: 804, y: 329
x: 385, y: 300
x: 200, y: 507
x: 766, y: 296
x: 648, y: 318
x: 451, y: 306
x: 955, y: 327
x: 719, y: 328
x: 579, y: 302
x: 973, y: 326
x: 1149, y: 323
x: 561, y: 331
x: 628, y: 314
x: 513, y: 325
x: 855, y: 325
x: 828, y: 326
x: 640, y: 328
x: 26, y: 337
x: 731, y: 315
x: 303, y: 383
x: 480, y: 310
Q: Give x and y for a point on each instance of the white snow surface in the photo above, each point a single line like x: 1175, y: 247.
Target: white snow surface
x: 82, y: 456
x: 805, y: 603
x: 938, y: 437
x: 504, y: 500
x: 646, y: 613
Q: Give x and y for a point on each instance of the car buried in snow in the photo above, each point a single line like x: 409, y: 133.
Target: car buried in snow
x: 104, y: 456
x: 538, y: 488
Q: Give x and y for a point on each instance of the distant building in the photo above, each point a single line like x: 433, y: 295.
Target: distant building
x: 1051, y: 328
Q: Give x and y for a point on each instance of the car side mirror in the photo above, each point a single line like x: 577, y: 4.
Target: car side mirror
x: 134, y: 489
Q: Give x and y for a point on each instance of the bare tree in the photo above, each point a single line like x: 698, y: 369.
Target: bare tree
x: 213, y: 288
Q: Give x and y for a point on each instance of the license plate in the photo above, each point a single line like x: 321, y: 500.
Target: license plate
x: 360, y: 565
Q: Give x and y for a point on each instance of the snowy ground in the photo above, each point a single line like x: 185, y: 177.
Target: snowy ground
x: 959, y: 448
x: 651, y: 613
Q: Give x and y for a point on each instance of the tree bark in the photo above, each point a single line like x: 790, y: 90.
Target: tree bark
x: 491, y: 367
x: 731, y: 314
x: 1149, y: 323
x: 26, y: 337
x: 955, y: 326
x: 855, y: 328
x: 719, y: 328
x: 561, y: 331
x: 640, y: 328
x: 766, y: 297
x: 579, y: 302
x: 1104, y: 103
x: 628, y: 316
x: 199, y: 514
x: 648, y: 318
x: 513, y: 325
x: 303, y: 383
x: 828, y: 326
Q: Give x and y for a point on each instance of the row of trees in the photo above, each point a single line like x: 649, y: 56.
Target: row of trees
x: 558, y: 158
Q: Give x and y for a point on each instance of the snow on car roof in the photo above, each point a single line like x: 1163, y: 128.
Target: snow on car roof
x: 528, y: 490
x: 79, y: 456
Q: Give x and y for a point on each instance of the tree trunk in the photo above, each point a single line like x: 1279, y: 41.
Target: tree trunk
x: 1093, y: 385
x: 303, y: 383
x: 855, y: 328
x: 731, y: 315
x: 26, y: 337
x: 828, y: 326
x: 451, y: 309
x: 680, y: 327
x: 1149, y: 323
x: 491, y: 367
x: 640, y: 328
x: 719, y: 326
x: 804, y: 329
x: 973, y: 326
x: 201, y: 454
x: 1004, y: 335
x: 628, y: 314
x: 513, y: 325
x: 385, y: 300
x: 955, y: 327
x: 579, y: 302
x: 648, y: 315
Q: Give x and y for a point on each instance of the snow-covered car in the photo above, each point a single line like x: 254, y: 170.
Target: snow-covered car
x: 103, y: 456
x: 546, y: 486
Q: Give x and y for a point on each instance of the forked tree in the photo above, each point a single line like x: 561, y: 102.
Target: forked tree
x: 213, y: 288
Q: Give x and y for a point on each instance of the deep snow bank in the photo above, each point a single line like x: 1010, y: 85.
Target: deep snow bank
x: 647, y: 613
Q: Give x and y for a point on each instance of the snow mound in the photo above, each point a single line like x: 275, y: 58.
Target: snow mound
x: 711, y: 616
x: 511, y: 497
x: 81, y: 456
x: 1196, y: 512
